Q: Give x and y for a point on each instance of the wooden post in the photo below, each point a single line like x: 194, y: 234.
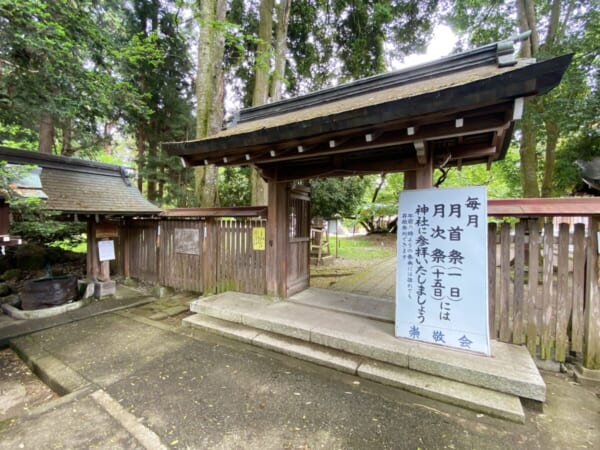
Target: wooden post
x: 126, y: 247
x: 422, y: 178
x: 533, y: 307
x: 505, y: 282
x: 104, y: 274
x: 209, y: 256
x: 563, y: 299
x: 578, y: 287
x: 519, y: 284
x: 277, y: 236
x: 548, y: 297
x: 591, y: 341
x: 92, y: 250
x: 492, y: 279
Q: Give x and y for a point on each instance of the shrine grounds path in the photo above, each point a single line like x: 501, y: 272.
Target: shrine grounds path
x: 135, y: 378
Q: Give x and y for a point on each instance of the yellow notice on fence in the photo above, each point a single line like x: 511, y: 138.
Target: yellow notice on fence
x: 258, y: 238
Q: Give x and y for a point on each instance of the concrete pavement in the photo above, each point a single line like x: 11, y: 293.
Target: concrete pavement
x: 148, y: 383
x: 347, y: 338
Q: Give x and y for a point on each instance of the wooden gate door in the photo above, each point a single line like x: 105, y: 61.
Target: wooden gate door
x: 298, y: 251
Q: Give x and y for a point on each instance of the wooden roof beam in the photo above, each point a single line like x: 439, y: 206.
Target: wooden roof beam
x: 426, y: 133
x: 337, y: 166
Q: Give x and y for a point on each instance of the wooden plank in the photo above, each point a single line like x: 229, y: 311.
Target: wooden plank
x: 548, y: 299
x: 591, y: 340
x: 534, y: 207
x: 241, y: 211
x: 563, y: 299
x: 209, y: 257
x: 492, y: 280
x: 532, y: 291
x: 505, y: 328
x: 579, y: 256
x: 519, y: 284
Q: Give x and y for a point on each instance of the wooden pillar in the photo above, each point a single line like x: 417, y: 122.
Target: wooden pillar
x: 104, y: 274
x: 421, y: 178
x: 92, y: 250
x: 277, y: 237
x: 591, y: 340
x: 125, y: 247
x: 209, y: 256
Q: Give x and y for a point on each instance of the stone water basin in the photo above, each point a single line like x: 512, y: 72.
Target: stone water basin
x: 48, y: 291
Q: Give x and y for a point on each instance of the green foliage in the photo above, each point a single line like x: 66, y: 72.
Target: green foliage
x: 156, y: 65
x: 75, y: 244
x: 566, y: 113
x: 359, y: 248
x: 328, y: 40
x: 57, y: 58
x: 332, y: 196
x: 234, y: 186
x: 501, y: 181
x: 584, y: 146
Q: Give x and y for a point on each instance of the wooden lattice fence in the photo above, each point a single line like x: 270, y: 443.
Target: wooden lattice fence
x: 140, y: 250
x: 538, y: 285
x: 180, y: 254
x: 200, y: 255
x: 239, y: 267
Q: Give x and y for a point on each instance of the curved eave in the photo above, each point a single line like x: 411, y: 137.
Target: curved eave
x: 508, y: 84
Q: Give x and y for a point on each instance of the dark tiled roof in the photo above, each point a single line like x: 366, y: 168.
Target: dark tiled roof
x: 79, y: 186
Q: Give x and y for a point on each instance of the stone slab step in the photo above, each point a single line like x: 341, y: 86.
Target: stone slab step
x: 478, y: 399
x: 497, y: 404
x: 510, y: 369
x: 345, y: 302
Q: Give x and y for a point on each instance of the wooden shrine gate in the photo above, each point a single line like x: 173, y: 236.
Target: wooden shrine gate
x: 298, y: 254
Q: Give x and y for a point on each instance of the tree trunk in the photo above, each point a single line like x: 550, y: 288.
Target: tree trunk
x: 552, y: 135
x: 140, y: 155
x: 258, y: 187
x: 209, y: 94
x: 283, y: 17
x: 263, y: 53
x: 528, y: 146
x: 527, y: 151
x: 67, y: 134
x: 151, y: 168
x: 206, y: 185
x: 106, y: 136
x: 46, y: 136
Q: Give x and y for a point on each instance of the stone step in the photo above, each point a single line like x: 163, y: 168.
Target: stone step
x: 475, y: 398
x: 510, y: 369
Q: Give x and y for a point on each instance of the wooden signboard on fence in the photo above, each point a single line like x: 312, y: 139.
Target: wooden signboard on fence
x: 107, y: 230
x: 187, y: 241
x: 258, y: 238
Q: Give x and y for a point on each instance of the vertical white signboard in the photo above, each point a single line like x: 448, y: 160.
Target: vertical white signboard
x: 441, y: 281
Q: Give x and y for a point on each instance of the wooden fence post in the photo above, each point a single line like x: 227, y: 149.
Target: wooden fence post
x: 125, y: 246
x: 209, y: 257
x: 591, y: 346
x: 491, y: 279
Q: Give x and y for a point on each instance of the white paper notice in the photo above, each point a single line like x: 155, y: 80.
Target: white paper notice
x: 441, y: 280
x: 106, y: 250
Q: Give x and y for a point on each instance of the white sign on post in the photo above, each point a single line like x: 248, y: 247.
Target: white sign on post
x: 441, y: 280
x: 106, y: 250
